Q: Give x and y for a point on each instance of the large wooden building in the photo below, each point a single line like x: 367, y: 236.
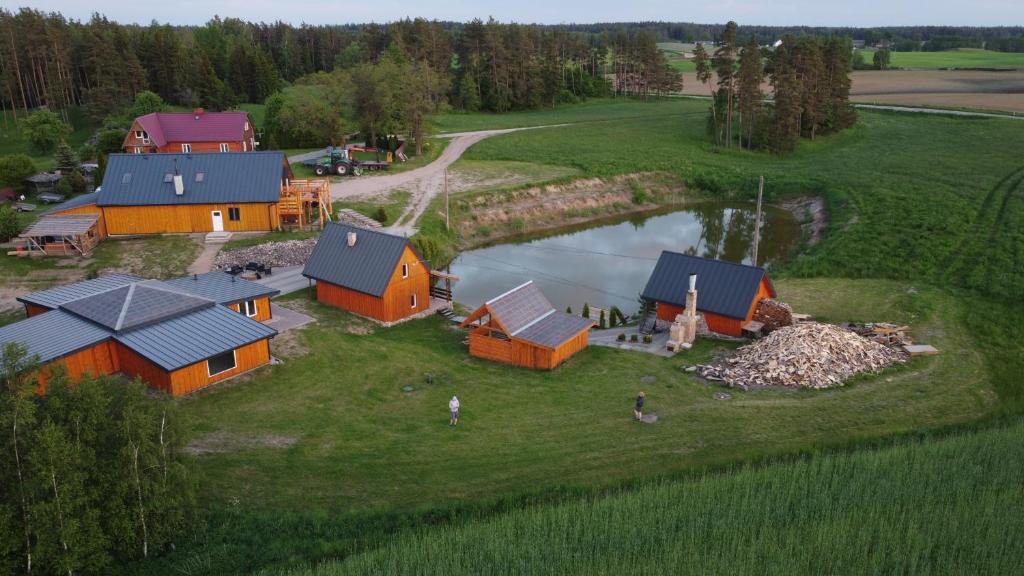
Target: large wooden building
x: 179, y: 336
x: 370, y: 273
x: 522, y: 328
x: 196, y: 131
x: 729, y: 292
x: 199, y: 193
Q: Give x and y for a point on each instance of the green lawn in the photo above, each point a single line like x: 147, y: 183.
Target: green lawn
x: 949, y: 506
x: 12, y: 141
x: 611, y: 110
x: 958, y: 58
x: 394, y: 205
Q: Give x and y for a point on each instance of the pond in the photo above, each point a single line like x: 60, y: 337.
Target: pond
x: 608, y: 264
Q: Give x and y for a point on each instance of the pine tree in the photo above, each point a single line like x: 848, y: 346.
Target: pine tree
x: 65, y: 158
x: 724, y: 63
x: 751, y: 74
x: 602, y: 322
x: 841, y: 114
x: 586, y: 310
x: 785, y: 131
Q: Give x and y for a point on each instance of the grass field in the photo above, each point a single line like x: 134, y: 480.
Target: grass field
x: 12, y: 141
x: 950, y: 506
x: 958, y: 58
x: 393, y: 205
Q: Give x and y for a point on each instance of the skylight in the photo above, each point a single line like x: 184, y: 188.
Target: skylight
x: 168, y: 177
x: 200, y: 176
x: 126, y: 177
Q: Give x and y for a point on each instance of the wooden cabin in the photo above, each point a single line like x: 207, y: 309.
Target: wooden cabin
x: 190, y: 132
x: 728, y: 292
x: 373, y: 274
x: 160, y: 332
x: 201, y: 193
x: 522, y: 328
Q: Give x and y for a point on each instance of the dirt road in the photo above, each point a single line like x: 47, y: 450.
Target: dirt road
x: 424, y: 184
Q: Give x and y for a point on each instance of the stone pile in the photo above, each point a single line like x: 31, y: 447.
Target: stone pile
x: 809, y: 354
x: 275, y: 254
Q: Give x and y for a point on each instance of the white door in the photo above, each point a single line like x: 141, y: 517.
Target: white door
x: 218, y: 221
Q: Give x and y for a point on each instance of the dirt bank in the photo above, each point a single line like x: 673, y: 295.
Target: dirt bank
x: 489, y: 216
x: 810, y: 213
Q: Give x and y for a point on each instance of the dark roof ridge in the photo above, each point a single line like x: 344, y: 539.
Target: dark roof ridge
x: 740, y: 264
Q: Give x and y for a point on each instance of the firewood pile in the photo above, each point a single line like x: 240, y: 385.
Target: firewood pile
x: 810, y: 355
x: 883, y: 332
x: 773, y: 314
x: 275, y: 254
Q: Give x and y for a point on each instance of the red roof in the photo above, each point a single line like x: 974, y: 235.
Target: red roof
x: 164, y: 127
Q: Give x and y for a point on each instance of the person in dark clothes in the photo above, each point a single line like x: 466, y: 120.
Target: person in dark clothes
x: 638, y: 410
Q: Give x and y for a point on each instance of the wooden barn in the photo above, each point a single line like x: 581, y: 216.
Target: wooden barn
x: 200, y: 193
x: 522, y: 328
x: 729, y: 292
x: 196, y: 131
x: 373, y: 274
x: 161, y: 332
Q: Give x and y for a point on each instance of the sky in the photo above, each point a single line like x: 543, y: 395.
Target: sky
x: 771, y: 12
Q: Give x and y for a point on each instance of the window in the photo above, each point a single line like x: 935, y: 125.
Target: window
x: 223, y: 147
x: 412, y: 301
x: 234, y: 214
x: 249, y: 308
x: 221, y: 363
x: 168, y: 178
x: 244, y: 147
x: 200, y: 176
x: 138, y: 150
x: 405, y: 270
x: 126, y: 177
x: 247, y: 126
x: 186, y: 148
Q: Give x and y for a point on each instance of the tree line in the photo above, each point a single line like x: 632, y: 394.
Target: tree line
x: 48, y: 60
x: 810, y: 90
x: 92, y: 474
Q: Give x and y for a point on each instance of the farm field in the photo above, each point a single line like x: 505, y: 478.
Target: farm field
x: 958, y: 491
x: 958, y: 58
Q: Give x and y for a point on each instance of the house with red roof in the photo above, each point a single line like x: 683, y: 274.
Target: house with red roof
x: 187, y: 132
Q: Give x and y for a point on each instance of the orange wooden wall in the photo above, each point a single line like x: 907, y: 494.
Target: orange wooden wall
x: 188, y: 218
x: 262, y: 309
x: 98, y: 360
x: 32, y: 309
x: 395, y: 303
x: 196, y: 376
x: 131, y: 142
x: 717, y: 323
x: 522, y: 353
x: 101, y: 227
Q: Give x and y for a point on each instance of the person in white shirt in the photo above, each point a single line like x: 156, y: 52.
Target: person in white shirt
x: 453, y: 407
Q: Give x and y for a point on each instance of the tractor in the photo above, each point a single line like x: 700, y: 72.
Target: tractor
x: 338, y: 161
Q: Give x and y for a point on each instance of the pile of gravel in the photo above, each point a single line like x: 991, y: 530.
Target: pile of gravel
x: 275, y: 254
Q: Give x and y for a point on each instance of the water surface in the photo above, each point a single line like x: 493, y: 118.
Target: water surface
x: 608, y: 264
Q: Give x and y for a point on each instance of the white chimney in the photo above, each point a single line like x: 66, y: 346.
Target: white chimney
x: 351, y: 239
x: 693, y: 282
x: 179, y: 185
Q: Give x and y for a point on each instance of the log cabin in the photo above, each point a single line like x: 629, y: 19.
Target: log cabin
x: 199, y: 193
x: 196, y: 131
x: 372, y: 274
x: 162, y: 332
x: 522, y: 328
x: 729, y: 292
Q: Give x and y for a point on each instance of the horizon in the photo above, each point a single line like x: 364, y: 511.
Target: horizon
x: 795, y: 13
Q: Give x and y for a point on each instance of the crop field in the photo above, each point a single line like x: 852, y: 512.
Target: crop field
x: 958, y: 58
x: 950, y: 506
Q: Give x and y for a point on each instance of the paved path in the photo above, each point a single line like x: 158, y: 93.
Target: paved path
x: 283, y: 319
x: 943, y: 111
x: 424, y: 183
x: 204, y: 262
x: 286, y: 279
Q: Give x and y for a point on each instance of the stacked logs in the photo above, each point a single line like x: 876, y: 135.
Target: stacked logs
x: 773, y: 314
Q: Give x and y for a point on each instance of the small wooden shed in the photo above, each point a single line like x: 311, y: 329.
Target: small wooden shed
x: 60, y: 235
x: 521, y: 327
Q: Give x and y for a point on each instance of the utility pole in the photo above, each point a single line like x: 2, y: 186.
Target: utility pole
x: 447, y: 221
x: 757, y: 222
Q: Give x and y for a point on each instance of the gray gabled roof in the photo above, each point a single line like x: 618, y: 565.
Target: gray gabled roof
x: 53, y: 334
x: 723, y: 288
x: 178, y: 342
x: 136, y: 305
x: 227, y: 178
x: 528, y: 315
x: 221, y: 287
x: 366, y: 267
x: 54, y: 297
x: 76, y: 202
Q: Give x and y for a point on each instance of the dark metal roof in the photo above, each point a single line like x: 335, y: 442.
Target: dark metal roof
x: 723, y: 288
x: 178, y: 342
x: 221, y: 287
x: 164, y: 127
x: 72, y: 225
x: 228, y: 177
x: 136, y: 305
x: 54, y: 297
x: 366, y: 267
x: 528, y: 315
x: 53, y: 334
x: 76, y: 202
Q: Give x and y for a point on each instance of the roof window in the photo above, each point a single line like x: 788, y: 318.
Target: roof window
x: 126, y: 177
x: 200, y: 176
x: 168, y: 178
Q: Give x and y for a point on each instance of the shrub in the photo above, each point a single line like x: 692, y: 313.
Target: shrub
x: 64, y: 186
x: 586, y: 310
x: 639, y: 192
x: 633, y: 338
x: 9, y: 227
x: 381, y: 215
x: 77, y: 181
x: 621, y: 337
x: 568, y: 309
x: 601, y: 320
x: 44, y: 130
x: 14, y: 169
x: 613, y: 317
x: 648, y: 339
x: 518, y: 224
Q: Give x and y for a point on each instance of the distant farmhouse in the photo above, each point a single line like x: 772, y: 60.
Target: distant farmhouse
x: 183, y: 193
x: 196, y: 131
x: 522, y: 327
x: 178, y: 335
x: 374, y: 274
x: 729, y: 292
